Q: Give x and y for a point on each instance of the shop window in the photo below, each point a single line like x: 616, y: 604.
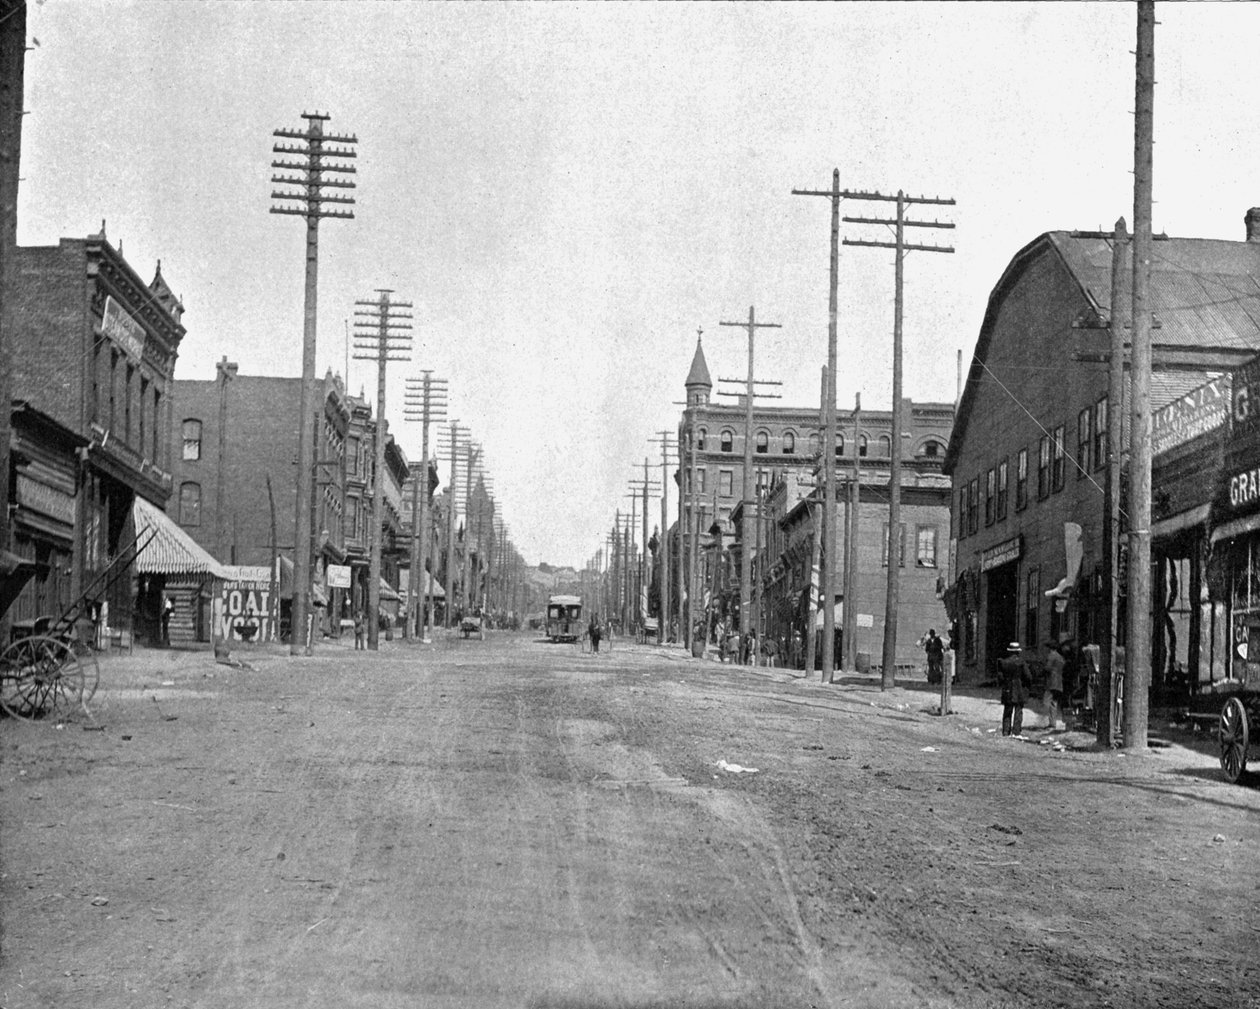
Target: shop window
x: 1043, y: 467
x: 925, y: 547
x: 1031, y: 601
x: 1082, y: 443
x: 763, y: 443
x: 1058, y: 458
x: 990, y: 495
x: 973, y: 506
x: 901, y: 545
x: 190, y: 504
x: 728, y: 441
x: 1003, y: 490
x: 1021, y: 480
x: 192, y: 440
x: 789, y: 443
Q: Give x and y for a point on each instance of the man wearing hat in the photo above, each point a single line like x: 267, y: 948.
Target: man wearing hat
x: 1016, y: 685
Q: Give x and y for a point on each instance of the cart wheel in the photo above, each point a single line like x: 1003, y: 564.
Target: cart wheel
x: 1233, y: 739
x: 40, y: 676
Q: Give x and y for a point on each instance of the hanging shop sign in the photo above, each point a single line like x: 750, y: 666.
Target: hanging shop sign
x: 338, y: 576
x: 1199, y: 411
x: 1002, y: 553
x: 119, y: 326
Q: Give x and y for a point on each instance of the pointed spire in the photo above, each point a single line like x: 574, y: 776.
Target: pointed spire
x: 699, y: 373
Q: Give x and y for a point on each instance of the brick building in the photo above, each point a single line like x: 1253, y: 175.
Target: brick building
x: 1028, y: 453
x: 787, y: 450
x: 236, y: 473
x: 93, y: 354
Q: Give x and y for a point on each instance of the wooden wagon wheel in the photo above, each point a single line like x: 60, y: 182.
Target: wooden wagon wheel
x: 40, y: 676
x: 1233, y: 739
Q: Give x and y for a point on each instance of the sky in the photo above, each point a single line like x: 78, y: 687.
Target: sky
x: 567, y: 193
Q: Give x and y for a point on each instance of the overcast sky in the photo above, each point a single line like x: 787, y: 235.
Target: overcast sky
x: 567, y: 193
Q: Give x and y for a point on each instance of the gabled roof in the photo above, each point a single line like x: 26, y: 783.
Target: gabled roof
x: 699, y: 373
x: 1204, y: 293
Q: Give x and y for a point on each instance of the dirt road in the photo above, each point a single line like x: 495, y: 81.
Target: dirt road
x: 508, y: 823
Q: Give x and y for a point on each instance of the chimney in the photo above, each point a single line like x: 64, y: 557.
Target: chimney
x: 1252, y: 220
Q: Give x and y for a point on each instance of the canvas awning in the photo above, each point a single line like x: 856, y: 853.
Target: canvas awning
x: 388, y: 592
x: 170, y: 551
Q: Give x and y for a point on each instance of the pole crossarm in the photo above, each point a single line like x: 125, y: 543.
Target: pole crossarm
x: 900, y: 246
x: 314, y: 157
x: 892, y: 222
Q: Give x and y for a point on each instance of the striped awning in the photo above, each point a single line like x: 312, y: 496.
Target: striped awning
x: 171, y: 551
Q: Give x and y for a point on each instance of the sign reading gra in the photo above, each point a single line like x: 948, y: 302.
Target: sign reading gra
x: 120, y: 327
x: 1197, y: 412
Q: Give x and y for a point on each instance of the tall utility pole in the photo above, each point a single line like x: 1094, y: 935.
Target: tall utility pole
x: 631, y: 564
x: 851, y: 541
x: 895, y: 544
x: 667, y: 574
x: 1138, y: 639
x: 453, y: 446
x: 745, y: 555
x: 12, y: 87
x: 644, y: 486
x: 313, y: 160
x: 474, y: 452
x: 226, y: 371
x: 835, y: 194
x: 425, y: 401
x: 382, y: 333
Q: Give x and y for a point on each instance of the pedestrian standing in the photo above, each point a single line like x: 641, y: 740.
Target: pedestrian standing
x: 1055, y: 665
x: 935, y: 649
x: 359, y: 646
x: 1016, y: 684
x: 168, y: 609
x: 595, y: 633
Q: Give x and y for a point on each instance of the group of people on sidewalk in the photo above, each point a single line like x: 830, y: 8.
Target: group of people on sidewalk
x: 1017, y: 687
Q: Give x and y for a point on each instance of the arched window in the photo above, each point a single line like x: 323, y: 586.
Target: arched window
x: 192, y: 440
x: 728, y: 441
x: 789, y: 443
x: 862, y: 446
x: 190, y: 504
x: 839, y: 443
x: 763, y: 442
x: 701, y: 435
x: 932, y: 449
x: 815, y: 444
x: 885, y: 446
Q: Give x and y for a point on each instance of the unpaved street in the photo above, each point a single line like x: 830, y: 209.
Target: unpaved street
x: 511, y: 823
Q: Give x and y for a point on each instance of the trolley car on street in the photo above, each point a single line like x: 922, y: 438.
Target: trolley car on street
x: 564, y: 618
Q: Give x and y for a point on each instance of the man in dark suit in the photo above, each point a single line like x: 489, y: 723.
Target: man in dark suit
x: 1016, y: 685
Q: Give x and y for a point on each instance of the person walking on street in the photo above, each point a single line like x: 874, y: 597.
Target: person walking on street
x: 1016, y: 684
x: 595, y: 633
x: 359, y: 646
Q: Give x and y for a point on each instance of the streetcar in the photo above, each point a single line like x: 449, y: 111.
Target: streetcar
x: 564, y: 618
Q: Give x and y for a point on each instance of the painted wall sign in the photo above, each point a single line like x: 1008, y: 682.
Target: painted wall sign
x: 245, y: 611
x: 44, y: 499
x: 1002, y: 553
x: 1199, y: 411
x: 120, y: 327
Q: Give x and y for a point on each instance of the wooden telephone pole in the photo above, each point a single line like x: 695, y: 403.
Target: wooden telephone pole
x: 453, y: 446
x: 745, y: 554
x: 1138, y: 639
x: 668, y: 575
x: 312, y: 159
x: 896, y: 546
x: 643, y: 486
x: 382, y: 333
x: 425, y: 401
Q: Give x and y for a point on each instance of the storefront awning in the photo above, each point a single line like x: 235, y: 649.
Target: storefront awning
x: 387, y: 592
x: 170, y: 551
x: 1237, y: 527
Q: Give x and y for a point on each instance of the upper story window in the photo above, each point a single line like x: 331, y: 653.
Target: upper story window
x: 1003, y: 490
x: 192, y: 440
x: 815, y: 444
x: 190, y: 504
x: 973, y: 505
x: 885, y: 446
x: 701, y: 436
x: 763, y: 442
x: 925, y: 547
x: 1100, y: 433
x: 932, y: 450
x: 1082, y: 443
x: 726, y: 482
x: 862, y: 446
x: 728, y: 441
x: 990, y: 496
x: 839, y: 443
x: 1021, y: 480
x: 1043, y: 467
x: 789, y: 443
x: 1058, y: 458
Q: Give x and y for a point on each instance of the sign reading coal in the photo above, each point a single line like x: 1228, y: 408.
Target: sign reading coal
x: 245, y: 611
